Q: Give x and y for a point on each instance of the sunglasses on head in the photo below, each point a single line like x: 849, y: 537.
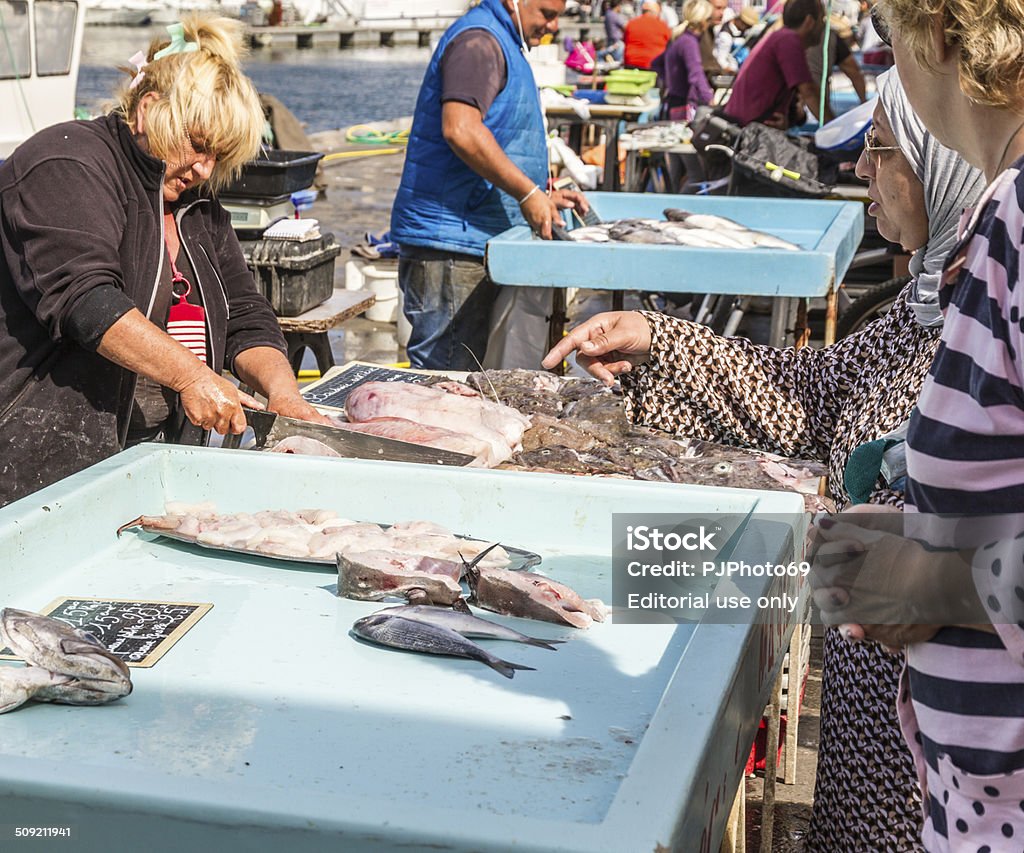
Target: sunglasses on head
x: 881, y: 27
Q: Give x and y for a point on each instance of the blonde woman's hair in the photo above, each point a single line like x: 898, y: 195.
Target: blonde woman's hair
x: 988, y: 33
x: 203, y: 96
x: 695, y: 13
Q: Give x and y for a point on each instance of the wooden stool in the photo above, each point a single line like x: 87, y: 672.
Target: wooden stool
x: 309, y: 330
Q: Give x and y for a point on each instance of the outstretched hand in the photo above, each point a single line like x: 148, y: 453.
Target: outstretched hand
x: 607, y: 344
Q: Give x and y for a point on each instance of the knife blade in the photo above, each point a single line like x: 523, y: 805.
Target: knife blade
x: 270, y: 428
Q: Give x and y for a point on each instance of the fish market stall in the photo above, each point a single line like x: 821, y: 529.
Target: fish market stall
x: 267, y: 725
x: 826, y: 232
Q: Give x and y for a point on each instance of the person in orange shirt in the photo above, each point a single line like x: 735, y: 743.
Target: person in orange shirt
x: 645, y: 37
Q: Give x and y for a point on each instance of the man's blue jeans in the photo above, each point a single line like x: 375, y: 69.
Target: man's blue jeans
x: 448, y: 300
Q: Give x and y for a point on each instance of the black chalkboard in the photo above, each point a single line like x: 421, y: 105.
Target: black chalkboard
x: 332, y: 391
x: 138, y: 632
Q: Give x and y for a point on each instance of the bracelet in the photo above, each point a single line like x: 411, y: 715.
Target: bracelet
x: 524, y: 199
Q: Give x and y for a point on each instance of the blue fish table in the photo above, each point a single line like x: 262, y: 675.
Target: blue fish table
x: 828, y: 233
x: 267, y: 727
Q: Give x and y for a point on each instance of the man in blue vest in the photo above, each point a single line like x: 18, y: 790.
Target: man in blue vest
x: 476, y: 165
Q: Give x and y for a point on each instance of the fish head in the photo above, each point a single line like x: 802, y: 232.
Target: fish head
x: 63, y: 649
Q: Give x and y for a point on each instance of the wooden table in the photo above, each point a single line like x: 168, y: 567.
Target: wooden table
x: 310, y: 329
x: 608, y: 116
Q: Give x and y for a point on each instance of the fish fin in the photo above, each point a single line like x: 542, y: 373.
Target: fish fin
x: 82, y: 646
x: 544, y: 644
x: 507, y: 668
x: 135, y: 522
x: 460, y: 606
x: 469, y: 570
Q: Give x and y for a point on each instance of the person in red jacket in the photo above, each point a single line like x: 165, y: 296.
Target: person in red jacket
x: 645, y: 37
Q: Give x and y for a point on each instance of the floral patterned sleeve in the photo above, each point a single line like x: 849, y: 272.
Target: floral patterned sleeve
x: 732, y: 391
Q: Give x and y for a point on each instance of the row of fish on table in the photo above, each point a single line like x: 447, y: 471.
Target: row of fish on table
x: 681, y: 228
x: 420, y: 561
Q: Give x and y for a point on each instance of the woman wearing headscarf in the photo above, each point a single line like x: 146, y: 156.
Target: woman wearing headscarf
x: 844, y: 405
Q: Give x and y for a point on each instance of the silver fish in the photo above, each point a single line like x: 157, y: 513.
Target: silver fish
x: 720, y: 224
x: 465, y: 624
x: 590, y: 234
x: 67, y: 665
x: 415, y: 636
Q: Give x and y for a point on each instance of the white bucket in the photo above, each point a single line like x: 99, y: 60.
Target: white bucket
x: 381, y: 278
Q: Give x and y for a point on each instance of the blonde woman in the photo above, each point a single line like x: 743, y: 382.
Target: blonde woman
x: 108, y: 229
x: 680, y: 68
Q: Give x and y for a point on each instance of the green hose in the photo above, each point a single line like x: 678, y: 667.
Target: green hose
x: 826, y: 65
x: 362, y: 134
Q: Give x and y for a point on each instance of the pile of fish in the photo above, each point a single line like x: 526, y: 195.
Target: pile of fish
x: 64, y: 664
x: 447, y: 415
x: 579, y: 426
x: 681, y: 228
x: 440, y: 631
x: 314, y: 534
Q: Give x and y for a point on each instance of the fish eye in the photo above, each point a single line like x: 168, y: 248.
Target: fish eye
x: 722, y: 468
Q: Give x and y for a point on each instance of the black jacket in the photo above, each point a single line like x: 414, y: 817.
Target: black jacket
x: 81, y: 244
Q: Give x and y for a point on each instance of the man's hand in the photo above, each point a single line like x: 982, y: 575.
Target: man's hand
x: 540, y: 211
x: 607, y: 344
x: 570, y: 199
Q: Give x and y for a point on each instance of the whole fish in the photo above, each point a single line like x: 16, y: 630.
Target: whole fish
x: 720, y: 224
x: 66, y: 665
x: 465, y: 624
x: 532, y: 596
x: 590, y: 234
x: 417, y: 636
x: 373, y: 575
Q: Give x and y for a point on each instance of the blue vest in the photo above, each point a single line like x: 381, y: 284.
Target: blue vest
x: 441, y: 202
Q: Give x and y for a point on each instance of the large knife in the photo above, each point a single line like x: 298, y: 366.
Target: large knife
x: 270, y: 428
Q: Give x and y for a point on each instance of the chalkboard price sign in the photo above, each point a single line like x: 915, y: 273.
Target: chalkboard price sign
x: 331, y: 391
x: 138, y: 632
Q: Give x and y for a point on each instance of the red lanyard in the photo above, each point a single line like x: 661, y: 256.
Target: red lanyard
x: 186, y: 323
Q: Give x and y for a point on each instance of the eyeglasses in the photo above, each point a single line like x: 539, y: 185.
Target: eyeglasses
x: 881, y: 27
x: 870, y: 149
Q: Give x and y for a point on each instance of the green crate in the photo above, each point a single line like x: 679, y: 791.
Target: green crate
x: 630, y: 82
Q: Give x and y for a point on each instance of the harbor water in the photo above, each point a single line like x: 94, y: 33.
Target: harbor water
x: 327, y: 88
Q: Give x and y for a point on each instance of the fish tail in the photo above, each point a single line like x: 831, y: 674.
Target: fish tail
x: 506, y: 668
x: 544, y: 644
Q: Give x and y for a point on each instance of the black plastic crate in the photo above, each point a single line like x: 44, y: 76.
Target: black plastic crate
x: 275, y: 173
x: 294, y: 275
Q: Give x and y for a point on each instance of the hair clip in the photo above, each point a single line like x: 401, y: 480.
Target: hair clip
x: 178, y: 43
x: 138, y: 62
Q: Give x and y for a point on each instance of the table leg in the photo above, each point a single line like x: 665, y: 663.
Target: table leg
x: 771, y: 754
x: 618, y: 298
x: 318, y: 342
x: 795, y: 682
x: 556, y: 324
x: 831, y: 315
x: 611, y: 158
x: 735, y: 840
x: 784, y: 310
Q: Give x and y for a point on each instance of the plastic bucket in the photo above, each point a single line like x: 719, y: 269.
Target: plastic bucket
x: 384, y: 286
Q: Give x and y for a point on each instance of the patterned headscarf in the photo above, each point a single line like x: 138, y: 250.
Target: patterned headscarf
x: 950, y: 185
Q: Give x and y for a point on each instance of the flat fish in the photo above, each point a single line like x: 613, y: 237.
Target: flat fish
x: 465, y: 624
x: 412, y: 635
x: 531, y: 596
